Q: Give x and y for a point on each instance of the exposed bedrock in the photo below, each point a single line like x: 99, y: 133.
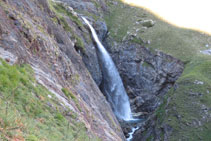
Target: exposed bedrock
x: 93, y: 12
x: 147, y: 75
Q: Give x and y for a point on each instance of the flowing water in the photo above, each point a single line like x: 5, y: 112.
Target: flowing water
x: 131, y: 133
x: 112, y: 83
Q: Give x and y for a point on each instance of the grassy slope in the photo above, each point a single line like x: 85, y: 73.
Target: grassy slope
x: 183, y: 44
x: 30, y: 112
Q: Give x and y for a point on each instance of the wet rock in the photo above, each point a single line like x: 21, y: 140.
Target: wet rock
x: 139, y: 115
x: 138, y: 101
x: 101, y: 29
x: 150, y: 103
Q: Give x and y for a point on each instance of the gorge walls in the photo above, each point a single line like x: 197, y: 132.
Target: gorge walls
x: 53, y: 40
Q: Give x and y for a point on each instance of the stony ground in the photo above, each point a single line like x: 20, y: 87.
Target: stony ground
x: 187, y: 106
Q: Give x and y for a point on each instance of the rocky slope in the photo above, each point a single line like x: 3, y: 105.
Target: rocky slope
x: 47, y: 93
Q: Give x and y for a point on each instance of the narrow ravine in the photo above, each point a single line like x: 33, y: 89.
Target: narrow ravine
x: 112, y: 83
x: 113, y: 86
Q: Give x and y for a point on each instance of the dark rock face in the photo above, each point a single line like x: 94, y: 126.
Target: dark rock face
x: 149, y: 129
x: 101, y: 28
x: 146, y: 75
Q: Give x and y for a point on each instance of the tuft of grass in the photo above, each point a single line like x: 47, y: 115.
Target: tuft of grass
x: 69, y: 94
x: 79, y: 44
x: 137, y: 40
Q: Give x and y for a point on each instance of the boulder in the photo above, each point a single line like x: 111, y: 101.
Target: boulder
x: 148, y: 23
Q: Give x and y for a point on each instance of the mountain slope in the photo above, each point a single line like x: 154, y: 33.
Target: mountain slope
x: 185, y: 113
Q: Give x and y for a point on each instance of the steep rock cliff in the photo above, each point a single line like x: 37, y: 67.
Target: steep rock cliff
x: 50, y: 37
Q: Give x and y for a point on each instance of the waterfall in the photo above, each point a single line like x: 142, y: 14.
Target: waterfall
x: 112, y: 85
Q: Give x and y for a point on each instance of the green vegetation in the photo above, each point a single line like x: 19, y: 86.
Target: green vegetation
x: 137, y: 40
x: 88, y: 14
x: 59, y: 8
x: 69, y: 94
x: 150, y: 138
x: 60, y: 12
x: 184, y: 112
x: 160, y: 112
x: 27, y: 111
x: 79, y: 45
x: 97, y: 5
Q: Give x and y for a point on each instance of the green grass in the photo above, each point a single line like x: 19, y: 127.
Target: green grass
x: 25, y: 112
x: 69, y: 94
x: 60, y: 13
x: 183, y: 44
x: 59, y: 8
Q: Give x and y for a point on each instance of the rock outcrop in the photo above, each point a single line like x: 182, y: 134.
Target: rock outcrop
x: 147, y: 75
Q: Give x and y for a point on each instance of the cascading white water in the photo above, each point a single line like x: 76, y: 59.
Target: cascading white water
x: 112, y: 83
